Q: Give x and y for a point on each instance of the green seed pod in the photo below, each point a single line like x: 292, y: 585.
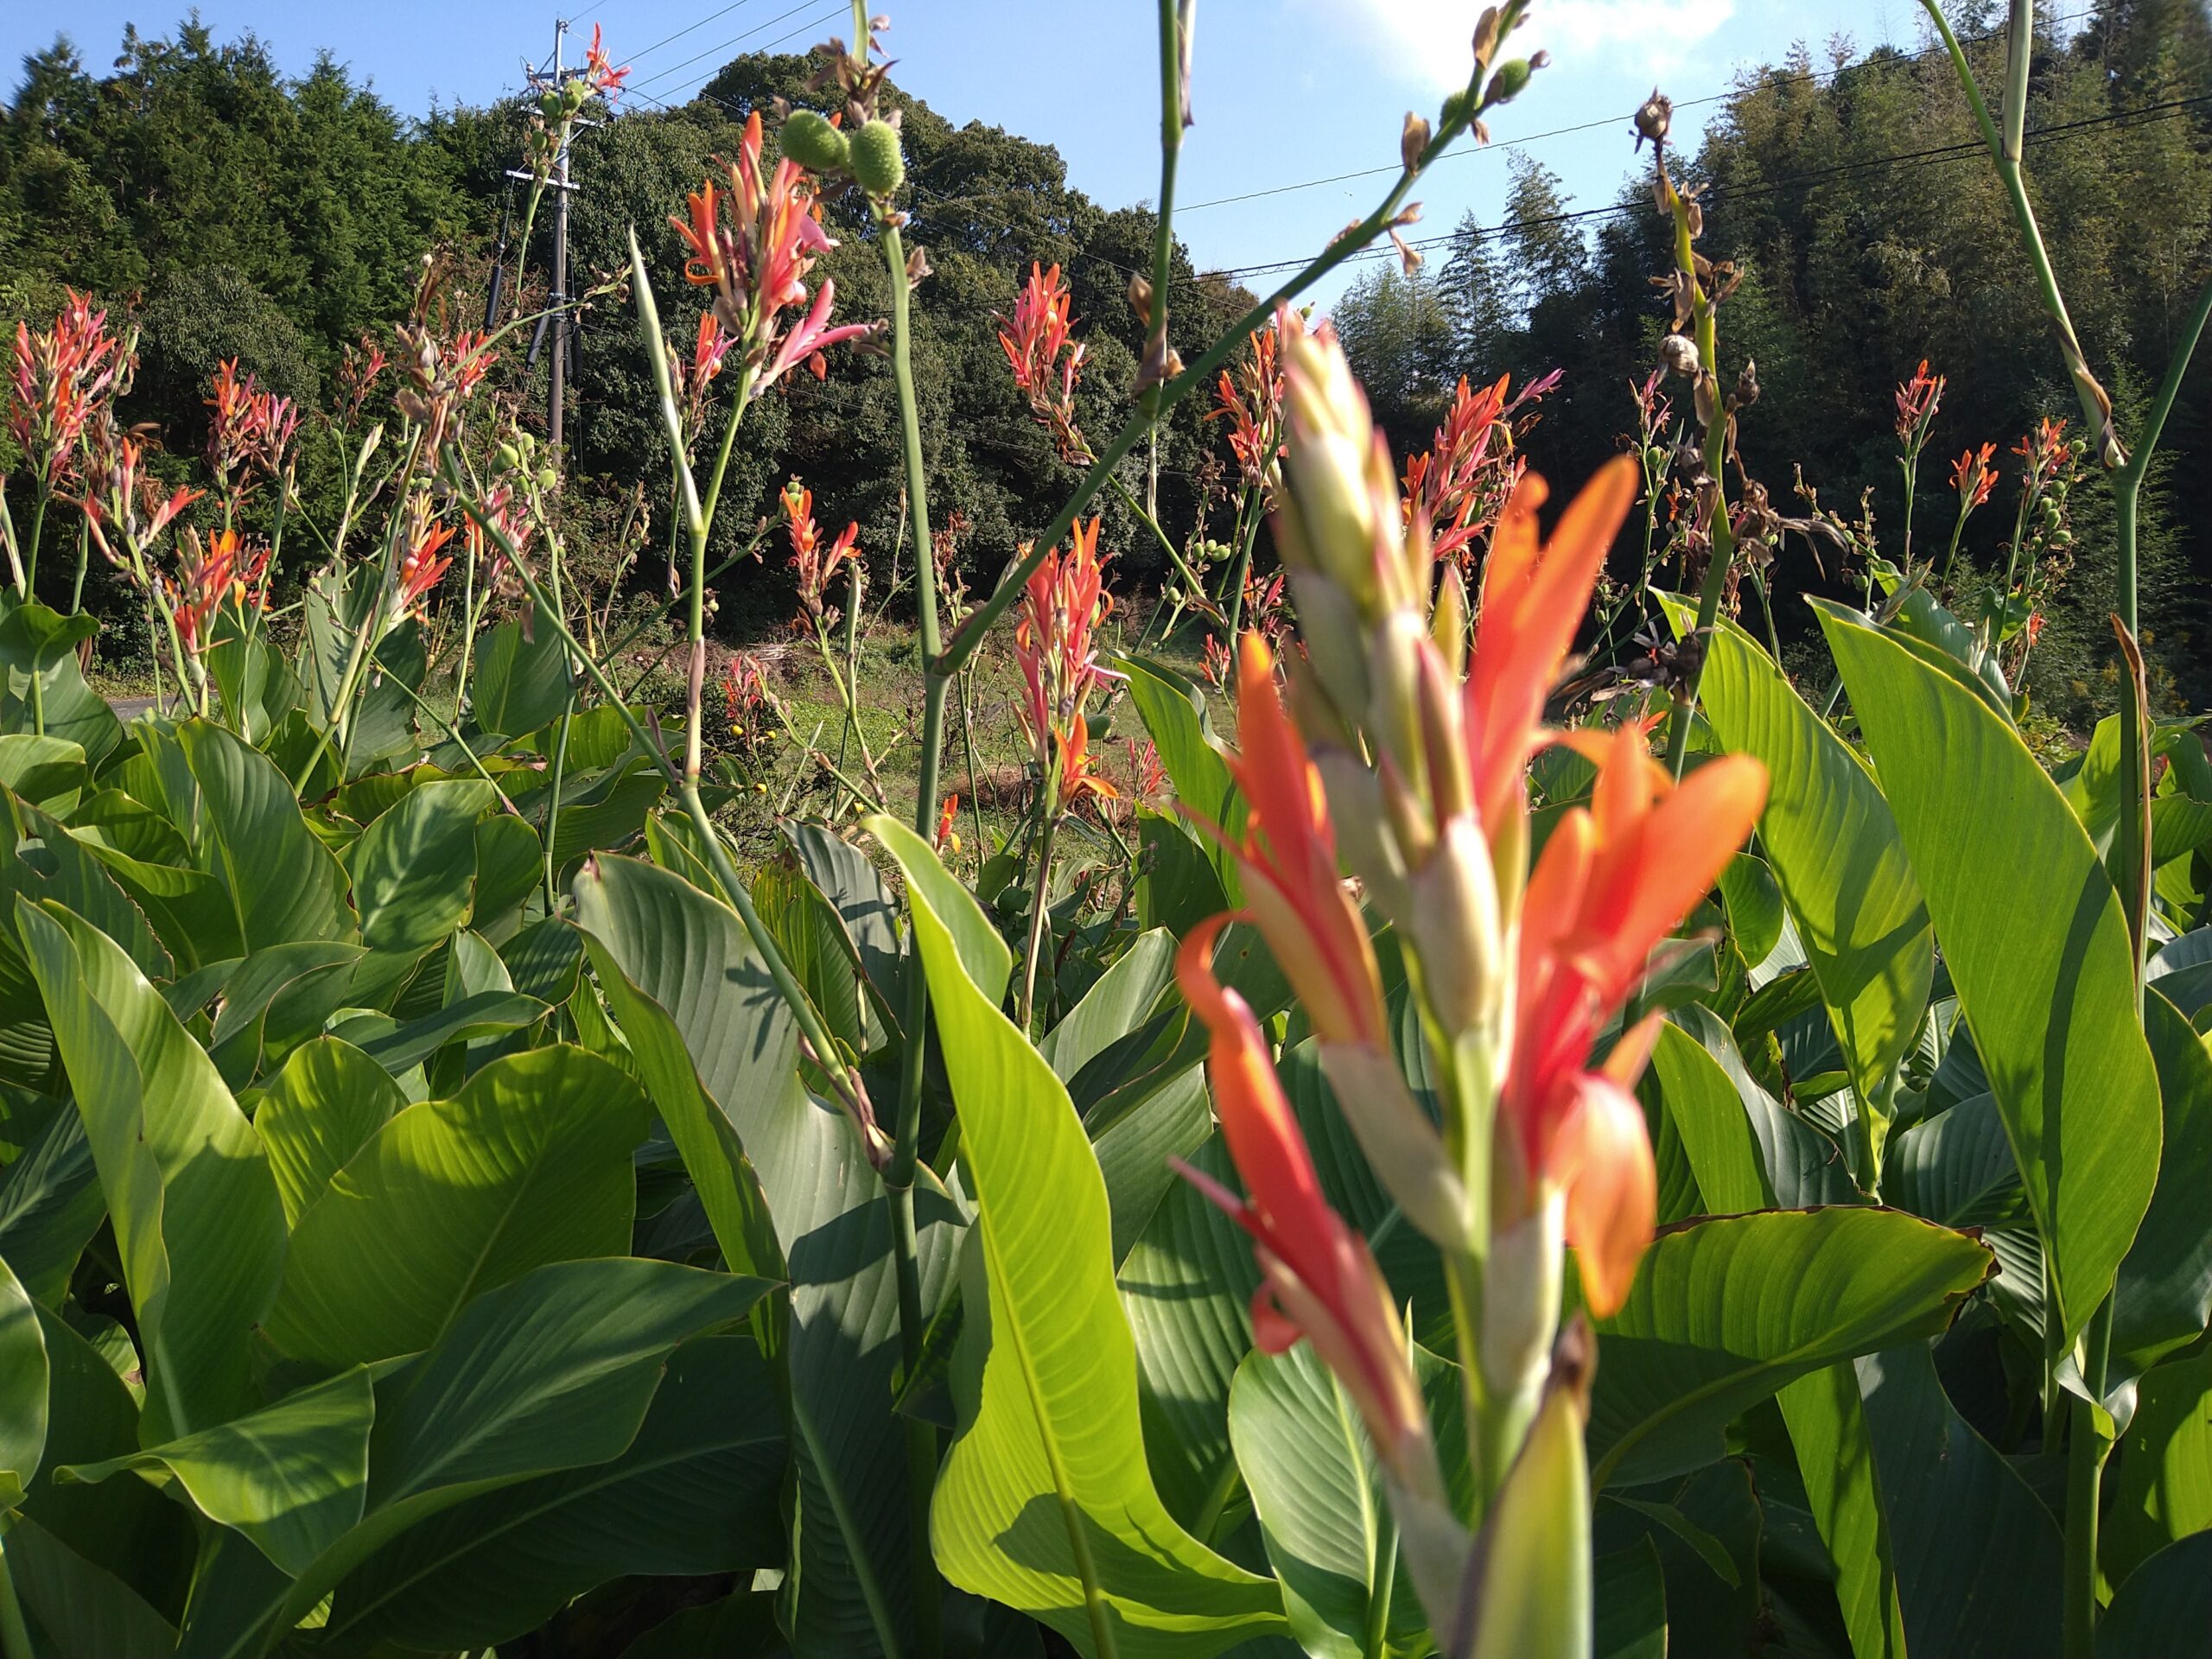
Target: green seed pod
x: 875, y: 160
x: 547, y: 477
x: 1455, y: 108
x: 510, y: 458
x: 1506, y: 83
x: 810, y: 140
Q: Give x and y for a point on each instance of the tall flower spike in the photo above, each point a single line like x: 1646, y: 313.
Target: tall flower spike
x: 1062, y: 606
x: 755, y: 243
x: 1918, y: 398
x: 1046, y: 359
x: 1973, y: 477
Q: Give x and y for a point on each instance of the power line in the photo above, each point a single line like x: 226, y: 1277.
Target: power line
x: 1806, y: 77
x: 758, y: 28
x: 2051, y: 134
x: 666, y: 39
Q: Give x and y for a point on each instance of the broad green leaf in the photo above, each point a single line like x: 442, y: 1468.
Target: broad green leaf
x: 782, y: 1178
x: 415, y: 867
x: 50, y: 1207
x: 1724, y: 1312
x: 984, y: 956
x: 48, y: 772
x: 1738, y: 1139
x: 291, y: 1477
x: 1630, y: 1621
x: 520, y: 681
x: 509, y: 863
x: 1115, y: 1006
x: 22, y: 1391
x: 2162, y: 1490
x: 2046, y: 987
x: 1323, y: 1515
x: 553, y: 1372
x: 528, y: 1164
x: 1746, y: 1150
x: 275, y: 1000
x: 317, y: 1113
x: 283, y: 884
x: 1956, y: 1168
x: 1976, y: 1553
x: 396, y: 1045
x: 2164, y: 1293
x: 38, y: 644
x: 125, y: 1527
x: 81, y: 1609
x: 1045, y: 1502
x: 2165, y: 1606
x: 69, y: 874
x: 841, y: 873
x: 1834, y: 848
x: 1173, y: 708
x: 694, y: 1494
x: 198, y: 1224
x: 1756, y: 911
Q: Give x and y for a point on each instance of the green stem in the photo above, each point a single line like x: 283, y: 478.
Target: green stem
x: 1174, y: 557
x: 31, y: 553
x: 2085, y: 1451
x: 84, y: 558
x: 974, y: 778
x: 2005, y: 150
x: 1040, y: 893
x: 906, y: 1147
x: 1950, y: 557
x: 1720, y: 533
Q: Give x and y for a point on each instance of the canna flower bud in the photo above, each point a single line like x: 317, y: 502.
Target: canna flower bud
x: 1456, y: 931
x: 1447, y: 623
x: 1341, y: 502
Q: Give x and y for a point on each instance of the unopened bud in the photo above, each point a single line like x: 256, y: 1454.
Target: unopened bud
x: 1363, y: 835
x: 1678, y: 354
x: 1455, y: 928
x: 1402, y: 1147
x: 1412, y: 141
x: 1447, y: 623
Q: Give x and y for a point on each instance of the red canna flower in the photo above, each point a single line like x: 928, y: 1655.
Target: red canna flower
x: 815, y: 566
x: 250, y: 430
x: 754, y: 246
x: 1287, y: 855
x: 745, y: 685
x: 1917, y: 400
x: 61, y: 375
x: 1046, y: 362
x: 1443, y: 485
x: 1614, y: 880
x: 1148, y: 776
x: 1250, y: 400
x: 599, y: 74
x: 207, y: 573
x: 1973, y: 476
x: 421, y: 567
x: 1318, y: 1277
x: 945, y: 814
x: 1533, y: 600
x: 1061, y: 607
x: 2044, y: 449
x: 2033, y: 628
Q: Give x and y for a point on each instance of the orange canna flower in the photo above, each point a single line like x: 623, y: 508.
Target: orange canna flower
x: 1917, y: 399
x: 207, y: 573
x: 1061, y: 607
x: 945, y: 816
x: 1973, y: 476
x: 1533, y: 600
x: 1614, y: 880
x: 1318, y: 1277
x: 1287, y: 854
x: 816, y: 565
x: 1046, y: 359
x: 422, y: 569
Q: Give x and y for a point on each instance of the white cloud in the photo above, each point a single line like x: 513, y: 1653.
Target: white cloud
x: 1429, y: 40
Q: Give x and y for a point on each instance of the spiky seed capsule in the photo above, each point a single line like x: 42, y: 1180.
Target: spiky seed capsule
x: 874, y: 158
x: 1506, y: 85
x: 810, y: 140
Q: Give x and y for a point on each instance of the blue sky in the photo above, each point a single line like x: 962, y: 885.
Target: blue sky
x: 1284, y: 91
